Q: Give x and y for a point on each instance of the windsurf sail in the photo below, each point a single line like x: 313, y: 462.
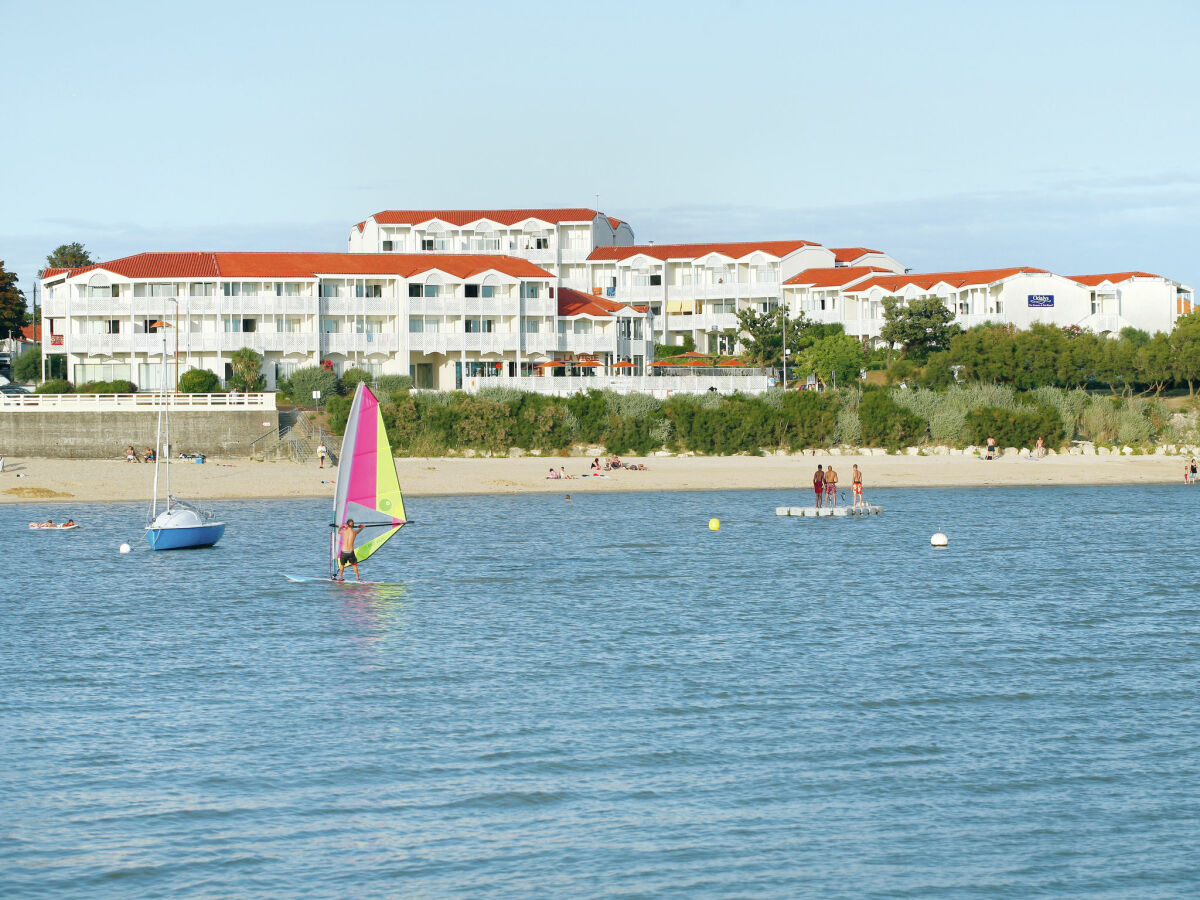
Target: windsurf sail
x: 368, y: 490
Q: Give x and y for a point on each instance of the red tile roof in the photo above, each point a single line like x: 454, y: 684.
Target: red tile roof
x: 32, y: 332
x: 850, y: 254
x: 310, y: 265
x: 735, y: 250
x: 953, y: 279
x: 576, y: 303
x: 835, y: 277
x: 50, y: 273
x: 466, y: 216
x: 1111, y: 278
x: 615, y: 223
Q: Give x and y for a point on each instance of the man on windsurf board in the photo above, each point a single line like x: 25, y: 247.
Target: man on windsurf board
x: 346, y: 535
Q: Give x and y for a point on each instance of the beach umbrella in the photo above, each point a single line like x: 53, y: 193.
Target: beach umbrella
x: 693, y: 354
x: 624, y: 364
x: 731, y: 362
x: 664, y: 363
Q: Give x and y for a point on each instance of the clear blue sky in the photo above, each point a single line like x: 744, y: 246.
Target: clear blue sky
x: 952, y: 135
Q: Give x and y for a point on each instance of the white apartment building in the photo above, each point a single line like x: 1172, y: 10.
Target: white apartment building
x: 702, y: 287
x: 558, y: 240
x: 1020, y: 296
x: 445, y: 319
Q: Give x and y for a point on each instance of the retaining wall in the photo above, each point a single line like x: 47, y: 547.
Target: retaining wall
x: 104, y: 434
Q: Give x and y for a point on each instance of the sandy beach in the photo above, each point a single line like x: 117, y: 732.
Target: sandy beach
x: 68, y: 480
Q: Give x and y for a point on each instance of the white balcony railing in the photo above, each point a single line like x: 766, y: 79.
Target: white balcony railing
x: 359, y: 306
x: 456, y: 342
x: 1102, y: 323
x: 377, y: 342
x: 702, y: 322
x: 586, y: 343
x: 132, y: 402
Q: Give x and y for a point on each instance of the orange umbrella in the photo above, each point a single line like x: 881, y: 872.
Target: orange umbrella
x: 693, y: 354
x: 552, y: 364
x: 624, y: 364
x: 731, y: 362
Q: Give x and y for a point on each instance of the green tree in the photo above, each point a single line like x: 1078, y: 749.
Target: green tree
x: 838, y: 357
x: 1185, y: 349
x: 199, y: 381
x: 761, y: 335
x: 28, y: 366
x: 247, y: 370
x: 304, y: 381
x: 921, y: 326
x: 68, y: 256
x: 13, y: 313
x: 1155, y: 364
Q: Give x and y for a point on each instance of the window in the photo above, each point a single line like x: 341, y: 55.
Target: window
x: 583, y: 326
x: 148, y: 326
x: 623, y: 328
x: 480, y: 326
x: 202, y: 289
x: 387, y: 246
x: 637, y: 329
x: 331, y: 326
x: 442, y: 244
x: 289, y: 289
x: 239, y: 288
x: 249, y: 325
x: 541, y: 243
x: 470, y: 290
x: 765, y: 275
x: 231, y: 323
x: 330, y: 289
x: 416, y: 325
x: 529, y: 290
x: 151, y: 290
x: 431, y: 290
x: 488, y: 291
x: 531, y: 326
x: 415, y: 290
x: 104, y: 290
x: 368, y: 290
x: 112, y: 326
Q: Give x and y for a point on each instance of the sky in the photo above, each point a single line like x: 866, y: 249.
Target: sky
x: 951, y: 135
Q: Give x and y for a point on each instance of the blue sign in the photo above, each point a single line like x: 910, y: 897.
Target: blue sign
x: 1041, y: 300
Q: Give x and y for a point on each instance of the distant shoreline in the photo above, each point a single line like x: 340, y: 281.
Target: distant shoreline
x: 99, y: 481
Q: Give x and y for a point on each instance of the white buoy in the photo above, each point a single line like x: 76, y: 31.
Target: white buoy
x: 939, y: 540
x: 124, y: 548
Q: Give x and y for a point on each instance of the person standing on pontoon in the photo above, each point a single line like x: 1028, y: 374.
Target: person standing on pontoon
x: 856, y: 484
x: 819, y: 484
x: 831, y: 480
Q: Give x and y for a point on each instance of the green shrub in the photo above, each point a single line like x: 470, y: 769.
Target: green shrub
x: 199, y: 381
x: 885, y: 423
x: 338, y: 409
x: 304, y: 381
x: 28, y: 366
x: 392, y: 384
x: 352, y: 377
x: 55, y: 386
x: 119, y: 386
x: 1016, y: 427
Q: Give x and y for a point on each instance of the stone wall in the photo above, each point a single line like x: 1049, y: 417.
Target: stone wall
x: 104, y: 434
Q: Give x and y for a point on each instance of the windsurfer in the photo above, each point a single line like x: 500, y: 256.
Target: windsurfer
x: 346, y: 535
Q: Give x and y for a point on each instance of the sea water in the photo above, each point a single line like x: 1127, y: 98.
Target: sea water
x: 602, y: 697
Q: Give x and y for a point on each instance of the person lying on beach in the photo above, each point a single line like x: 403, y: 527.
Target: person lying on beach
x: 562, y: 473
x: 553, y: 473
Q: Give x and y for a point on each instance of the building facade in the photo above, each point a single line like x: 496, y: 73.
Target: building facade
x: 444, y: 319
x: 1021, y: 297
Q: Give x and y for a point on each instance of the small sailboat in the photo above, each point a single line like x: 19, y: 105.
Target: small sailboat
x: 180, y: 526
x: 367, y: 489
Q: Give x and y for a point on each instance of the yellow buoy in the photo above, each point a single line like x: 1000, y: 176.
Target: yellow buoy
x: 714, y: 524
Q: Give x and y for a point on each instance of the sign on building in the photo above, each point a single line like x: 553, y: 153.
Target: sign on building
x: 1041, y: 300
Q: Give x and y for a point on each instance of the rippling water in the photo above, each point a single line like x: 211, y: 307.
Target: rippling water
x: 603, y: 697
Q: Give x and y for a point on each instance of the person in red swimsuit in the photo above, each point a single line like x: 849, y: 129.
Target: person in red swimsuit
x: 819, y: 484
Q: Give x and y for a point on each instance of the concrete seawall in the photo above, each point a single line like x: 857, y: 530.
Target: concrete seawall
x: 104, y: 434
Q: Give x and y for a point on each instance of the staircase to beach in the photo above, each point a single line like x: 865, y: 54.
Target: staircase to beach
x: 296, y: 439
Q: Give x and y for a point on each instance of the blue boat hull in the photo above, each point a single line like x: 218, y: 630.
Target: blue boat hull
x: 184, y: 538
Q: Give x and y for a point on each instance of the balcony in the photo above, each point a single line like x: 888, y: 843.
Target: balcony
x: 359, y: 306
x: 367, y: 344
x: 1102, y: 323
x: 701, y: 322
x: 456, y: 342
x: 458, y: 306
x: 587, y: 343
x: 863, y: 327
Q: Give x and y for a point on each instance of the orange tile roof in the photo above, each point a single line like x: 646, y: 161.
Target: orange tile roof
x: 953, y: 279
x: 833, y: 277
x: 466, y: 216
x: 310, y: 265
x: 615, y: 223
x: 576, y: 303
x: 1111, y: 278
x: 735, y: 249
x: 850, y: 254
x: 32, y: 332
x: 50, y: 273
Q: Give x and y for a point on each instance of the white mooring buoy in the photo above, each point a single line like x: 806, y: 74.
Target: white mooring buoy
x: 939, y: 540
x: 124, y: 548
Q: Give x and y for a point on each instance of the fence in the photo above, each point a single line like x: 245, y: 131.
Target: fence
x: 134, y: 402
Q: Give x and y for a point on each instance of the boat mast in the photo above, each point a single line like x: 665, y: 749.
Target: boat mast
x: 158, y: 441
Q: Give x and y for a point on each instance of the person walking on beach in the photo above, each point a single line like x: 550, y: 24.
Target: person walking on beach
x: 1192, y: 466
x: 856, y: 485
x: 1039, y: 449
x: 991, y: 448
x: 321, y: 454
x: 831, y: 480
x: 346, y: 535
x: 819, y: 485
